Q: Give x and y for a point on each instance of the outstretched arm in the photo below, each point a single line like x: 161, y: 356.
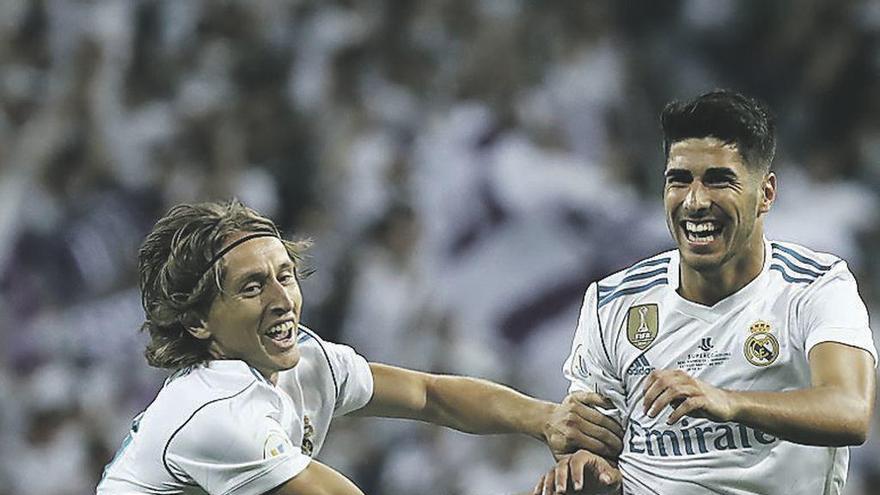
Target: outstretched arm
x: 834, y: 411
x: 478, y: 406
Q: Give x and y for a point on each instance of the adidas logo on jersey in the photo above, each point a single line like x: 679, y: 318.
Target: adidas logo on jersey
x: 640, y: 367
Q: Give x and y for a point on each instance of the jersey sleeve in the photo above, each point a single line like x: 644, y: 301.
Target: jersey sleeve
x: 833, y: 311
x: 589, y: 366
x: 354, y: 379
x: 232, y: 447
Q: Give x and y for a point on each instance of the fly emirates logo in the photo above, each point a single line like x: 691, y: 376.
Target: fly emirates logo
x: 685, y: 439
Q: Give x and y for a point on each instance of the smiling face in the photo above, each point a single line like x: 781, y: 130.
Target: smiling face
x: 255, y: 316
x: 714, y: 205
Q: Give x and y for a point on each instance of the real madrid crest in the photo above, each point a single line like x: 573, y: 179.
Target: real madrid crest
x: 761, y: 347
x: 308, y: 445
x: 642, y: 323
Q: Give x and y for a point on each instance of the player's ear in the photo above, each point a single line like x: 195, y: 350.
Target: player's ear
x: 768, y: 193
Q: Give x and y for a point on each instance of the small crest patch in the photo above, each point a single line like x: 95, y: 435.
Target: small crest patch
x: 276, y: 444
x: 642, y: 323
x: 761, y: 347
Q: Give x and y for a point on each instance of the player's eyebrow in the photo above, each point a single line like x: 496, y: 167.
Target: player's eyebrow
x: 678, y: 173
x: 286, y: 265
x: 255, y: 275
x: 258, y: 274
x: 712, y: 173
x: 720, y: 173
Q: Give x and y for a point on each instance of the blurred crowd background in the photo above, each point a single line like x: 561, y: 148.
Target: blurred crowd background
x: 465, y: 168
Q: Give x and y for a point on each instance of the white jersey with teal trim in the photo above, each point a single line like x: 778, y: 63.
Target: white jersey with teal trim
x: 222, y: 428
x: 759, y: 338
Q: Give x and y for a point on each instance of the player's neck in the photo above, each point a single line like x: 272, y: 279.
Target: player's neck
x: 708, y: 287
x: 272, y: 377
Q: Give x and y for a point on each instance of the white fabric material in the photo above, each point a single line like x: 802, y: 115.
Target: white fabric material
x: 801, y: 298
x: 222, y: 428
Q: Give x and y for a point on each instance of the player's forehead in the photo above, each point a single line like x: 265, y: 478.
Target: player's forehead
x: 256, y: 255
x: 696, y: 155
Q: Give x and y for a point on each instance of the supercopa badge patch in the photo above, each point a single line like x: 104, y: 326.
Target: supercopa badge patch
x: 761, y: 347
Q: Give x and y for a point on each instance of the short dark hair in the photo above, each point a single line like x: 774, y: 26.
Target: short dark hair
x: 726, y: 115
x: 178, y: 281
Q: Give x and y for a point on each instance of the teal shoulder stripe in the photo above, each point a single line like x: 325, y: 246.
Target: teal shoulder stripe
x: 630, y: 278
x: 795, y: 268
x: 638, y: 276
x: 800, y: 257
x: 632, y: 290
x: 790, y: 278
x: 651, y: 262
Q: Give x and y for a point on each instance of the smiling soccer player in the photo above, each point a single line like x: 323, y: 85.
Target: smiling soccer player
x: 253, y: 391
x: 737, y: 364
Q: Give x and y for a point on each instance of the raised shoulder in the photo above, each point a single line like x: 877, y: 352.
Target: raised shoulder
x: 201, y: 413
x: 799, y: 265
x: 206, y: 382
x: 637, y: 278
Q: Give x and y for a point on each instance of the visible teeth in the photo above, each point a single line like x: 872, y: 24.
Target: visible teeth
x: 700, y: 227
x: 705, y: 238
x: 279, y: 329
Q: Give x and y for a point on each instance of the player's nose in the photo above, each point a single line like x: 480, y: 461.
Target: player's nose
x: 697, y: 198
x: 282, y: 300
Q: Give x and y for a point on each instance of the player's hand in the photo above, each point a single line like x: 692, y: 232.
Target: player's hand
x: 576, y: 424
x: 687, y: 396
x: 581, y: 473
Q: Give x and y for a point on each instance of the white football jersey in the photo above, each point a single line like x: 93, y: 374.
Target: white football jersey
x: 222, y: 428
x: 759, y: 338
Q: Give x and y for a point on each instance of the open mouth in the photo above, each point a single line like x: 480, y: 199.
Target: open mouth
x: 702, y: 232
x: 282, y: 334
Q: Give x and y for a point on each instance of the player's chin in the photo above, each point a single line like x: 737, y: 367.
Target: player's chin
x: 287, y: 359
x: 701, y: 254
x: 281, y: 357
x: 701, y: 260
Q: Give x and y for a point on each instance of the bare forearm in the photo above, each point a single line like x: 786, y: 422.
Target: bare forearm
x: 835, y: 411
x: 317, y: 479
x: 478, y: 406
x: 815, y: 416
x: 465, y: 404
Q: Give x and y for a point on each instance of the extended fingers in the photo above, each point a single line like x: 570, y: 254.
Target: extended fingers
x: 592, y: 471
x: 595, y: 417
x: 654, y: 386
x: 659, y: 381
x: 586, y: 398
x: 545, y: 484
x: 597, y: 426
x: 562, y: 472
x: 576, y: 439
x: 686, y: 407
x: 580, y: 427
x: 674, y: 395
